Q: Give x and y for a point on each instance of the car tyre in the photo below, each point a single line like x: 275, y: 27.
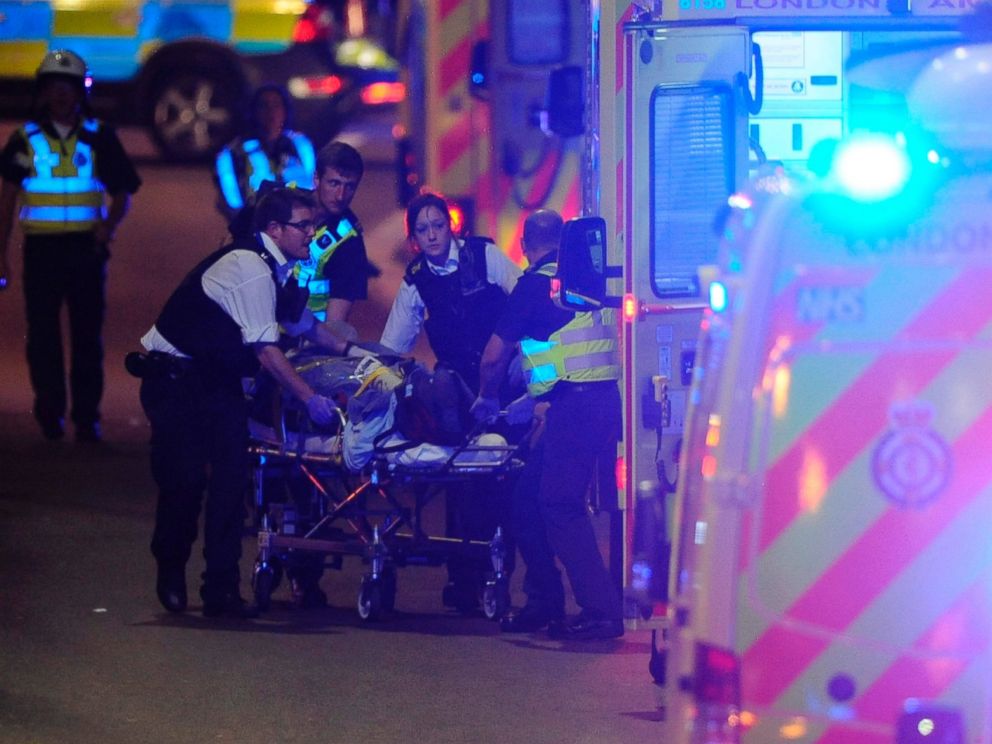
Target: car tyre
x: 193, y: 113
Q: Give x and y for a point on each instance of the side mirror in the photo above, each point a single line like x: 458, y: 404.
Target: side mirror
x: 580, y: 283
x: 565, y: 101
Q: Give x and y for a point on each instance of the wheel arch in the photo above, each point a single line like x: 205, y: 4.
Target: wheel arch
x: 203, y: 54
x: 197, y: 59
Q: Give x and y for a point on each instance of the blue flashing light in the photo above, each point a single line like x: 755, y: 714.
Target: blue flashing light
x: 871, y: 168
x: 718, y: 297
x: 478, y: 78
x: 641, y: 576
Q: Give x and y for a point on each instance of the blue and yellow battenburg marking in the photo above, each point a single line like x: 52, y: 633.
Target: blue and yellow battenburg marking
x: 116, y: 36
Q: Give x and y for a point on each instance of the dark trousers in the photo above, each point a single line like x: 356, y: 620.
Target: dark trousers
x: 473, y: 510
x: 199, y: 442
x: 550, y: 515
x: 65, y: 269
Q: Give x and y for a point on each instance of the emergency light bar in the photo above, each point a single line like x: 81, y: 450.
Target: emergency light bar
x: 871, y: 167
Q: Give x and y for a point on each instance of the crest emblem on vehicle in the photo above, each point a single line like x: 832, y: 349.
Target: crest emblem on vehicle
x: 911, y: 464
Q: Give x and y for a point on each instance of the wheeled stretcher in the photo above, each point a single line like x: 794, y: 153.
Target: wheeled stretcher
x: 314, y: 506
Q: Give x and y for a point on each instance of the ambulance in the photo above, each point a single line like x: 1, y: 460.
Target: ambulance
x: 183, y: 68
x: 474, y: 123
x: 831, y: 571
x: 797, y: 261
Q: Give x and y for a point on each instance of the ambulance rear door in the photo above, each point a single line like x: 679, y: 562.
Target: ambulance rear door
x: 535, y: 163
x: 686, y: 153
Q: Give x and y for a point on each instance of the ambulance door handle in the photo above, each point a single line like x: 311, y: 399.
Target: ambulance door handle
x: 659, y: 309
x: 754, y: 102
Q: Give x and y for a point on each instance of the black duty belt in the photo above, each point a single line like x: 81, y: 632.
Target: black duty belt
x: 157, y: 365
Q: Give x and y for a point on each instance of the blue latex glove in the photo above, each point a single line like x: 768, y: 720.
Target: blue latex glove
x: 485, y: 409
x: 321, y: 409
x: 520, y: 411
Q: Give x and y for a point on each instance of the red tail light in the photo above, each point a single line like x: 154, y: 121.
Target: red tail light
x: 376, y: 94
x: 316, y: 24
x: 322, y: 86
x: 620, y: 473
x: 717, y: 675
x: 717, y: 689
x: 631, y: 308
x: 457, y: 217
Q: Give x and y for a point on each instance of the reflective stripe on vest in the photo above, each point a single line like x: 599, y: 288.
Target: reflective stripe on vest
x: 228, y: 179
x: 298, y: 170
x: 61, y: 193
x: 583, y: 350
x: 310, y: 271
x: 259, y: 167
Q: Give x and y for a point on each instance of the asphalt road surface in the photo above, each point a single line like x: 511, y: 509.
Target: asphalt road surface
x: 87, y: 655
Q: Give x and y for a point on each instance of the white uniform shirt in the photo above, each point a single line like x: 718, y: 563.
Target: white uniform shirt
x: 406, y: 318
x: 241, y: 283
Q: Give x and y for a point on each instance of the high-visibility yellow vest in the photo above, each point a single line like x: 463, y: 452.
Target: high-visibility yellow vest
x: 310, y: 271
x: 61, y: 193
x: 297, y: 170
x: 583, y: 350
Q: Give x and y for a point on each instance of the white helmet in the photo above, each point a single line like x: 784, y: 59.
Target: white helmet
x: 63, y: 62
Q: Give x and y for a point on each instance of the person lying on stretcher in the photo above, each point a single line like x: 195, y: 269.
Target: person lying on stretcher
x: 386, y: 405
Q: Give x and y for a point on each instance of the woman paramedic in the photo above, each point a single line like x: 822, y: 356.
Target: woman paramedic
x: 455, y: 290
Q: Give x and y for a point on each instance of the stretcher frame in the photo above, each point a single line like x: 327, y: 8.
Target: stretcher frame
x: 383, y: 537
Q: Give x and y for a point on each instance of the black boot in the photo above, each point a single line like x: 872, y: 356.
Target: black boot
x: 171, y: 587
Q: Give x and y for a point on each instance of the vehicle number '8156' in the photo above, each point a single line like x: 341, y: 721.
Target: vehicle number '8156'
x: 702, y: 4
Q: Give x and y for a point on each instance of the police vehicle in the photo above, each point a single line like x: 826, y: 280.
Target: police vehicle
x: 184, y: 68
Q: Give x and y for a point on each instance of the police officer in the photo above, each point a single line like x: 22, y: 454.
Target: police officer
x: 219, y: 325
x: 337, y: 270
x: 570, y: 361
x: 454, y: 290
x: 270, y: 152
x: 65, y: 165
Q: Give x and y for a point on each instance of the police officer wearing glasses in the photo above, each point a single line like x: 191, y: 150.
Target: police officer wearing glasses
x: 220, y: 325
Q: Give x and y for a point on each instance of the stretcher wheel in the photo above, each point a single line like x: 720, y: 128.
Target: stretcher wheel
x: 495, y: 599
x: 263, y: 583
x: 370, y: 600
